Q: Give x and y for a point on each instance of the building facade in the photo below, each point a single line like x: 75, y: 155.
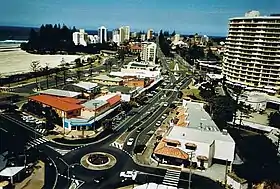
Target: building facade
x: 150, y: 34
x: 177, y: 37
x: 143, y: 37
x: 149, y: 51
x: 102, y: 34
x: 252, y: 56
x: 116, y: 36
x: 80, y: 38
x: 124, y: 33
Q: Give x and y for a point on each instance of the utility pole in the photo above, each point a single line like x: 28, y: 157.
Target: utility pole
x: 190, y: 173
x: 95, y: 105
x: 226, y: 173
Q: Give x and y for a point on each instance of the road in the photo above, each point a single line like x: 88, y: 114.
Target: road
x: 59, y: 158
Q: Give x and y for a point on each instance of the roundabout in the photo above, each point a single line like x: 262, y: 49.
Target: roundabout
x: 98, y: 161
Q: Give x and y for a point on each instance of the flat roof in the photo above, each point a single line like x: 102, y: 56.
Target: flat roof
x: 191, y: 134
x: 91, y: 104
x: 199, y: 118
x: 121, y: 89
x: 62, y: 103
x: 256, y: 17
x: 86, y: 85
x: 107, y: 78
x: 59, y: 92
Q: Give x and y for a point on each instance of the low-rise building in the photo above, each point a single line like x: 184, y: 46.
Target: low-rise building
x: 64, y: 106
x: 60, y: 93
x: 194, y: 137
x: 106, y: 80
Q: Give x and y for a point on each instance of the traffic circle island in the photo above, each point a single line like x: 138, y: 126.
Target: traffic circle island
x: 98, y: 161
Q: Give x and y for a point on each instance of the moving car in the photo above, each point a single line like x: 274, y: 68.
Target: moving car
x: 129, y: 174
x: 130, y: 141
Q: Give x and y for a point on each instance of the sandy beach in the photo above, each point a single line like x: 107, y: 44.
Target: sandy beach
x: 14, y: 60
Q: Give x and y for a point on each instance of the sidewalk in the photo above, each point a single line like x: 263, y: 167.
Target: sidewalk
x: 35, y: 180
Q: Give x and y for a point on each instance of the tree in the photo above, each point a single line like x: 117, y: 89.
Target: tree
x: 274, y: 119
x: 35, y: 66
x: 210, y: 55
x: 46, y: 70
x: 173, y: 33
x: 79, y: 73
x: 221, y: 110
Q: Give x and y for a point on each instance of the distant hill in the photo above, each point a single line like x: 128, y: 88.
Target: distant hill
x: 14, y: 33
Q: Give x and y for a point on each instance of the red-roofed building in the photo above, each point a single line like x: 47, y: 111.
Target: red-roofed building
x: 64, y: 106
x: 114, y: 100
x: 135, y: 49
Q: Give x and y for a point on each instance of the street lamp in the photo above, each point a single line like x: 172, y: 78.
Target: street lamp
x: 190, y: 173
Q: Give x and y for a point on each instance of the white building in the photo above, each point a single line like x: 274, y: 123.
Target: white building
x: 80, y: 38
x: 140, y: 70
x: 124, y: 33
x: 143, y: 37
x: 102, y: 34
x: 177, y: 37
x: 116, y: 36
x: 149, y: 52
x: 252, y: 56
x: 134, y: 34
x: 150, y: 34
x: 193, y: 136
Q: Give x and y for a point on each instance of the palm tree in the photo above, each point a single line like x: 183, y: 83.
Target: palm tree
x: 79, y: 72
x: 35, y: 66
x: 47, y: 74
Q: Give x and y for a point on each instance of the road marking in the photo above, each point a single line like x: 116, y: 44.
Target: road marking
x: 171, y: 177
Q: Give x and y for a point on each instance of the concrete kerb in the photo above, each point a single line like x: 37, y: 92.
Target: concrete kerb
x: 88, y: 165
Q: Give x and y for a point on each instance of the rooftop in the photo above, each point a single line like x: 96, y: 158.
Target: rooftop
x: 111, y: 98
x: 61, y: 93
x: 199, y: 118
x: 94, y: 103
x: 62, y: 103
x: 86, y: 85
x: 107, y: 78
x: 122, y: 89
x: 163, y: 149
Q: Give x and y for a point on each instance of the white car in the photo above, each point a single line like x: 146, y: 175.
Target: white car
x: 69, y: 80
x: 129, y: 174
x: 130, y: 141
x: 86, y: 75
x: 165, y: 104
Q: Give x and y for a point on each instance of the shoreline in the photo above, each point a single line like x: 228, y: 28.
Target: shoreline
x: 15, y: 61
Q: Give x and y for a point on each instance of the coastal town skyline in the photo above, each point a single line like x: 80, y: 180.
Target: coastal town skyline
x: 179, y: 16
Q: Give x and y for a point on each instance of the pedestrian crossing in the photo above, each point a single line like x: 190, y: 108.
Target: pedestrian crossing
x: 43, y: 131
x: 117, y: 145
x: 75, y: 182
x: 171, y: 178
x: 36, y: 142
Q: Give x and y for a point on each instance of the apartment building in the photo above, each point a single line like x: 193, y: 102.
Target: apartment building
x: 149, y: 51
x: 80, y: 37
x: 116, y: 36
x: 252, y: 55
x: 102, y: 34
x: 150, y: 34
x: 124, y: 33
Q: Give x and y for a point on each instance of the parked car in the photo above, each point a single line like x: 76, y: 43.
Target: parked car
x: 130, y: 141
x: 165, y: 104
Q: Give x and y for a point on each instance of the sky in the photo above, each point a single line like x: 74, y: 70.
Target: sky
x: 208, y: 17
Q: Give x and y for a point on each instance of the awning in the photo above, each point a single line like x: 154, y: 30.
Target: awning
x: 11, y: 171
